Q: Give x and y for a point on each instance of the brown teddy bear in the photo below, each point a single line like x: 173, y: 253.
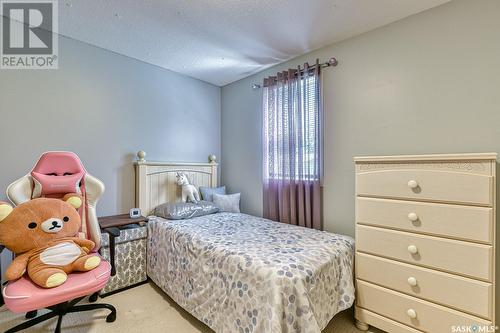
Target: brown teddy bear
x: 42, y: 233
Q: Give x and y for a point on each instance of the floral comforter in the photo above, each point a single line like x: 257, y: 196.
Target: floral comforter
x: 240, y: 273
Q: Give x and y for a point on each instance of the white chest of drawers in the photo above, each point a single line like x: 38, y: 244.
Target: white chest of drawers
x: 425, y: 242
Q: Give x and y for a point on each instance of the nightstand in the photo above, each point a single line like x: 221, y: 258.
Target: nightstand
x: 120, y: 220
x: 124, y: 241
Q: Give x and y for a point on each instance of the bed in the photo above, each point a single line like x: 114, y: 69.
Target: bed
x: 241, y: 273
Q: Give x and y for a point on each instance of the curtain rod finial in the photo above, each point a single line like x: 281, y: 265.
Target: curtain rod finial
x: 333, y: 62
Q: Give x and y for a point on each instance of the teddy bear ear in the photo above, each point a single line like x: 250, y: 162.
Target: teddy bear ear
x: 73, y: 199
x: 5, y: 210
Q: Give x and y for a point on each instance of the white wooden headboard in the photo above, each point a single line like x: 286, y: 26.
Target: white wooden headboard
x: 155, y: 181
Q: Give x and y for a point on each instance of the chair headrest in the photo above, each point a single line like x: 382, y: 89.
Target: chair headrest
x: 57, y: 173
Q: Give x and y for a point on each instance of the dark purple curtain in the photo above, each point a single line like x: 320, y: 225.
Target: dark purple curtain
x: 292, y: 128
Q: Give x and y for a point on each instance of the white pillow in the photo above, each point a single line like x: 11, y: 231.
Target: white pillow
x: 228, y: 203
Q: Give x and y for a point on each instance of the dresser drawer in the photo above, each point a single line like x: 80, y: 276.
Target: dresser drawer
x: 447, y: 289
x: 462, y: 222
x: 443, y: 186
x: 469, y: 259
x: 383, y: 323
x: 428, y: 317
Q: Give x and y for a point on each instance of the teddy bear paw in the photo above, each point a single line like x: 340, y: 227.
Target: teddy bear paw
x: 56, y: 280
x: 92, y: 262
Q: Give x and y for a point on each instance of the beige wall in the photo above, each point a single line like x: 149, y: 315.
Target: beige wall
x: 429, y: 83
x: 105, y: 107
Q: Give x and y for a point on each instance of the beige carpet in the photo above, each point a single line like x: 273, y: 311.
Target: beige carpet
x: 143, y: 309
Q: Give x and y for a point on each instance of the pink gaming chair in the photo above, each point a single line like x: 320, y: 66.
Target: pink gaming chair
x: 55, y: 174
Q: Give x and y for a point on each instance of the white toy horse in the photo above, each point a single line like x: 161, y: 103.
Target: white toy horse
x: 189, y: 192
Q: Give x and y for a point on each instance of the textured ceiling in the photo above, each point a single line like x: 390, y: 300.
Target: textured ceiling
x: 221, y: 41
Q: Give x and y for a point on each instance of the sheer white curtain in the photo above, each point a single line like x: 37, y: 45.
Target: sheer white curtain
x: 292, y: 128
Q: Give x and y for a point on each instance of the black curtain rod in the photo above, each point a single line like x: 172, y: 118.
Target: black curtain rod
x: 332, y: 62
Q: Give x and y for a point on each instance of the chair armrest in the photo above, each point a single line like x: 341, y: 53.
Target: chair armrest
x: 113, y: 233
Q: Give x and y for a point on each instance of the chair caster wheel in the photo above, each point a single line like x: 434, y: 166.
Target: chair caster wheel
x: 31, y: 314
x: 111, y: 317
x: 93, y: 297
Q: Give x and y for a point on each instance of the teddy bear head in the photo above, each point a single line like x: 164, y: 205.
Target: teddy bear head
x: 36, y: 222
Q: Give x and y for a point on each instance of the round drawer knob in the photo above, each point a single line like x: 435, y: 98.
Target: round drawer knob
x: 412, y: 249
x: 413, y: 217
x: 411, y: 313
x: 412, y: 281
x: 412, y: 184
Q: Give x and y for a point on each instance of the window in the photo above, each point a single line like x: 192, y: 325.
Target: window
x: 292, y: 129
